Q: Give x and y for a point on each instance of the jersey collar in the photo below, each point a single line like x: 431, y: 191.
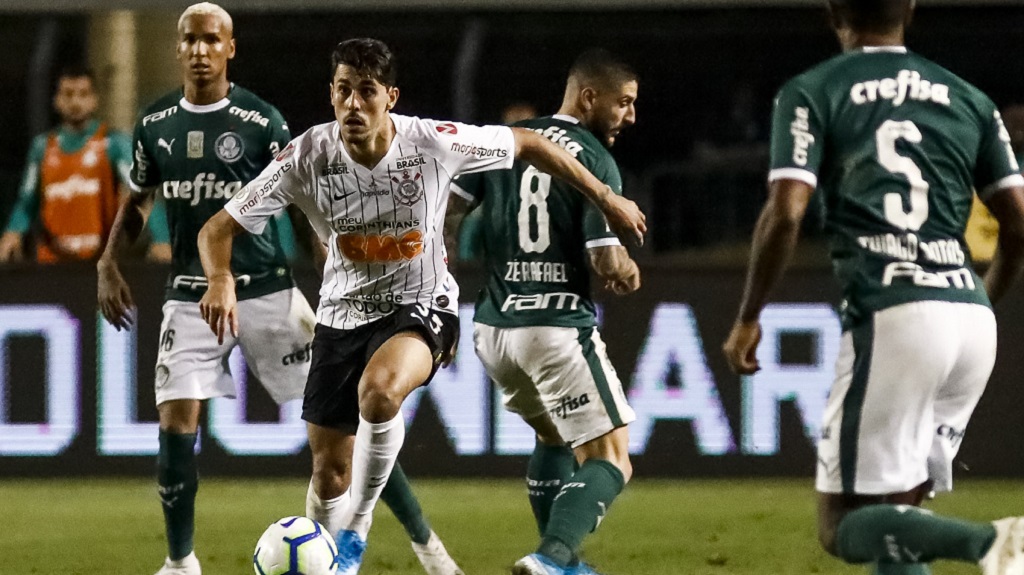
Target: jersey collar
x: 206, y: 108
x: 566, y: 118
x: 877, y: 49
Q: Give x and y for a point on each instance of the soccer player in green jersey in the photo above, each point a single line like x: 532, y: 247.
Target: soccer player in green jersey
x: 198, y: 146
x: 898, y: 146
x: 536, y: 329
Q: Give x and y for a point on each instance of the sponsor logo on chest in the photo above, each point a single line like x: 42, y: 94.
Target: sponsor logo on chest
x: 72, y: 187
x: 249, y: 116
x: 410, y: 162
x: 205, y: 186
x: 157, y: 116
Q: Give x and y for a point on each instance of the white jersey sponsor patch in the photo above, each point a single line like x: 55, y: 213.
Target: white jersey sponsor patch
x: 382, y: 226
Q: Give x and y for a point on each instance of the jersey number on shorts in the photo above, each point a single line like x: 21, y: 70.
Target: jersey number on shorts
x: 885, y: 141
x: 422, y: 314
x: 533, y: 211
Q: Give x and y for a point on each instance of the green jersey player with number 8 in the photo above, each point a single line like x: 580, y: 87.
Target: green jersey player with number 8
x: 897, y: 147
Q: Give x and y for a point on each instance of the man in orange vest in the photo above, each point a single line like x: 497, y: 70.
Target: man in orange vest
x: 68, y: 194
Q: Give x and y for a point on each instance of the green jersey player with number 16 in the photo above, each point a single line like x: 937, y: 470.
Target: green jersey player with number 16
x: 197, y: 147
x: 897, y: 146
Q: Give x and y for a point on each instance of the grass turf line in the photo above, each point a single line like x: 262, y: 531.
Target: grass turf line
x: 741, y: 527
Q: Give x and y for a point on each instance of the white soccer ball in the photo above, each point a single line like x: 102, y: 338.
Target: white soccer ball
x: 295, y: 546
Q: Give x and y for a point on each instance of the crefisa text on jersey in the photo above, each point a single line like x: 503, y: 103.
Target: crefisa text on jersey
x: 249, y: 116
x: 204, y: 186
x: 906, y: 84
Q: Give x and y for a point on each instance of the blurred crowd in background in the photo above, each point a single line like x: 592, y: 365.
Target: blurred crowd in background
x: 695, y: 161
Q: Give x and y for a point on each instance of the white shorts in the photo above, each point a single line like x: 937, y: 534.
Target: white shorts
x: 906, y: 383
x: 275, y: 332
x: 563, y: 371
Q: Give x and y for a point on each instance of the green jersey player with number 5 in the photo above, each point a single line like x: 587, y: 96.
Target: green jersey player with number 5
x: 897, y: 146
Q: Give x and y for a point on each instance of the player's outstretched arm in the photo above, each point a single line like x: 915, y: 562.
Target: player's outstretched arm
x: 774, y: 239
x: 219, y: 304
x: 623, y: 215
x: 112, y: 292
x: 1008, y: 208
x: 612, y: 264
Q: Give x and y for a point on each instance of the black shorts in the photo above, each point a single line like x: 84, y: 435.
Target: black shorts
x: 331, y: 398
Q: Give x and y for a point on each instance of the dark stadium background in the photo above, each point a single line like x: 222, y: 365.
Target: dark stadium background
x: 697, y: 173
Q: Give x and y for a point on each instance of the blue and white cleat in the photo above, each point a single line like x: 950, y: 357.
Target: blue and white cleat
x: 537, y: 564
x: 351, y: 548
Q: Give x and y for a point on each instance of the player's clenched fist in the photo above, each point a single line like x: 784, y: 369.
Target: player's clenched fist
x: 741, y: 347
x: 625, y: 218
x: 219, y: 307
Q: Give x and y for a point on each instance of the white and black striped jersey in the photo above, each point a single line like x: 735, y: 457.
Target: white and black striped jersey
x: 382, y: 227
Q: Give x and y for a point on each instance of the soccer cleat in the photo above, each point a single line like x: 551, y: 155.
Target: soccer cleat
x: 537, y: 564
x: 1006, y: 556
x: 350, y: 552
x: 435, y: 558
x: 187, y: 565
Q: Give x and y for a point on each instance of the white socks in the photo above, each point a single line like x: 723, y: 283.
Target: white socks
x: 373, y: 458
x: 330, y: 513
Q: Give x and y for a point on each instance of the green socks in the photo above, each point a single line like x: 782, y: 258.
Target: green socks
x: 906, y: 534
x: 550, y: 467
x: 178, y: 481
x: 398, y: 496
x: 579, y: 508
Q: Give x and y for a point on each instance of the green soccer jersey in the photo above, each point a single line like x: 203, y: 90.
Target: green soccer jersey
x: 897, y: 145
x: 536, y: 231
x: 198, y: 157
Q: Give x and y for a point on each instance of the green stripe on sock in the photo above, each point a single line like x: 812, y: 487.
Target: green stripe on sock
x: 853, y: 403
x: 597, y: 372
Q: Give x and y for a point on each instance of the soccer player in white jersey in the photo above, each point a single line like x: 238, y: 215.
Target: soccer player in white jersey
x: 898, y: 147
x: 220, y: 135
x: 375, y: 187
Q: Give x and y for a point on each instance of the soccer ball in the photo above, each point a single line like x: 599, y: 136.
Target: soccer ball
x: 295, y: 546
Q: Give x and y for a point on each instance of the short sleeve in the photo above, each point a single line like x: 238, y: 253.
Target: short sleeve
x: 144, y: 172
x: 997, y: 166
x: 279, y: 184
x: 596, y: 231
x: 467, y: 149
x: 797, y: 136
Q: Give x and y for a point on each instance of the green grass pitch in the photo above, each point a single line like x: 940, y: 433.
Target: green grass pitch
x: 114, y: 527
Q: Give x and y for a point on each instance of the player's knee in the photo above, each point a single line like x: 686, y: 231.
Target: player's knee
x: 380, y: 396
x: 331, y: 477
